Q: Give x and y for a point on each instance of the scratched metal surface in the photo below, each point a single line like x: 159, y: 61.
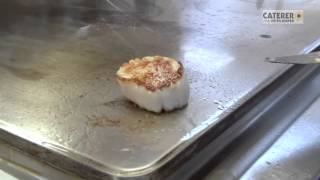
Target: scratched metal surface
x: 58, y: 60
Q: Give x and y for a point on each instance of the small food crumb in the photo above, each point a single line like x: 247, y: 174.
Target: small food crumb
x: 125, y: 149
x: 266, y: 36
x: 221, y: 107
x: 216, y: 102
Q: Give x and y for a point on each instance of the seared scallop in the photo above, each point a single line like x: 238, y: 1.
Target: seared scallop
x: 155, y: 83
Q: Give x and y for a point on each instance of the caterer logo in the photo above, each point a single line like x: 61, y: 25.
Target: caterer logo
x: 282, y: 16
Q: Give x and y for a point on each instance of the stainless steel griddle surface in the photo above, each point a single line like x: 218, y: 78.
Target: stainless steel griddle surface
x: 58, y: 61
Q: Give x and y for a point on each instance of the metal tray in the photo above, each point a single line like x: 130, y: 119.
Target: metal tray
x: 59, y: 100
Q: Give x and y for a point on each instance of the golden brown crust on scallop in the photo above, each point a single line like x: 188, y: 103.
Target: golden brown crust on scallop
x: 154, y: 74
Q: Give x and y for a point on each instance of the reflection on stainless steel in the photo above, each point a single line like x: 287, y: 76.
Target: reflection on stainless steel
x: 20, y: 166
x: 295, y: 155
x: 58, y: 62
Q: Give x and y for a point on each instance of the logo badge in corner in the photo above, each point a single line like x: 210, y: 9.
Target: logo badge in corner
x: 282, y: 16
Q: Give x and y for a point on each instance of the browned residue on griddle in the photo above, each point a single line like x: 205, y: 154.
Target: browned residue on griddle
x: 119, y: 102
x: 102, y: 121
x: 126, y: 125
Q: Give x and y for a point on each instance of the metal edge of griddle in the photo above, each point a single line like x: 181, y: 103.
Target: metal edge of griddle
x: 268, y: 110
x: 246, y: 149
x: 177, y: 162
x: 54, y: 158
x: 274, y: 91
x: 232, y: 153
